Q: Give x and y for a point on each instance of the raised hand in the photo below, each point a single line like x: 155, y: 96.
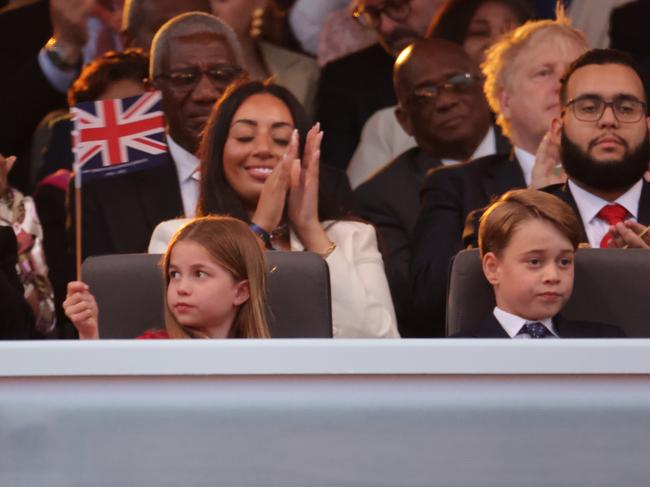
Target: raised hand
x: 303, y: 195
x: 69, y: 26
x: 270, y: 206
x: 80, y: 306
x: 629, y: 234
x: 547, y: 169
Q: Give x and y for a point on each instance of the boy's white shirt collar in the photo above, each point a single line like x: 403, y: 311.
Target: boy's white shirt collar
x: 512, y: 323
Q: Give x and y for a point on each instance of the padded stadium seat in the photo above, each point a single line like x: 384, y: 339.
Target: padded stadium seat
x: 611, y: 286
x: 129, y: 289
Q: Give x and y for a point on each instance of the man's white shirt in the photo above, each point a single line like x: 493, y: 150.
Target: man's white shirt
x: 589, y: 205
x: 187, y: 168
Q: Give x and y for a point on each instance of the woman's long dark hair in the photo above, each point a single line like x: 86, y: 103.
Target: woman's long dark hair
x: 454, y: 17
x: 216, y: 195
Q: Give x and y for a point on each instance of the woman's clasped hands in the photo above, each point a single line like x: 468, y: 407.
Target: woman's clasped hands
x: 294, y: 183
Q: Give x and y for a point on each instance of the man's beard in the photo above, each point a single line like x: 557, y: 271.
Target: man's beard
x: 605, y: 175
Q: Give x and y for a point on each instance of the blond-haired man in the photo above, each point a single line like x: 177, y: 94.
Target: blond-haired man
x: 523, y: 72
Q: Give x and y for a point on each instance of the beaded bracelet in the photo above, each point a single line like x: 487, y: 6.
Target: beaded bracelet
x: 262, y: 234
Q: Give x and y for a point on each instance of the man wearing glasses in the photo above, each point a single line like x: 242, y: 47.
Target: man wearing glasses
x: 522, y: 80
x: 442, y: 106
x: 604, y: 148
x: 194, y: 57
x: 397, y: 23
x: 356, y: 86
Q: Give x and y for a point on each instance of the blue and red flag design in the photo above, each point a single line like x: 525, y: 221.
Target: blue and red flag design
x: 117, y: 136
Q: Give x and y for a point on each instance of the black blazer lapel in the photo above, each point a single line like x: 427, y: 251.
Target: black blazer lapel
x: 503, y: 176
x: 644, y: 204
x: 489, y: 328
x: 421, y: 164
x: 502, y: 143
x: 160, y: 194
x: 564, y: 193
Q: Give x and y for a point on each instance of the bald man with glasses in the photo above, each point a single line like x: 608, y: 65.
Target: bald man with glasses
x: 442, y: 105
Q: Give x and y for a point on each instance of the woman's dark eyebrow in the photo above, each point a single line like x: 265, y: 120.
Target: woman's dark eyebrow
x: 276, y: 125
x: 245, y: 121
x: 253, y: 123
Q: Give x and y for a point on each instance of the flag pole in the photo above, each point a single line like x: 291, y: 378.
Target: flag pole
x: 77, y: 201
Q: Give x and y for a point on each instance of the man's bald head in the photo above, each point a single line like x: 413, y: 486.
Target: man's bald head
x: 441, y: 102
x: 142, y: 18
x: 424, y: 57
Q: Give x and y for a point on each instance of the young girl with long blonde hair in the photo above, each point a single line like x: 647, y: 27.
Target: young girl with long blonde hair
x: 215, y: 285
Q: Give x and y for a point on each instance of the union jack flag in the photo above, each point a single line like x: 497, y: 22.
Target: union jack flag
x: 112, y: 137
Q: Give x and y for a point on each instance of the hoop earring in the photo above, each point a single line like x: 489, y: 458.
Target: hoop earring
x: 257, y: 22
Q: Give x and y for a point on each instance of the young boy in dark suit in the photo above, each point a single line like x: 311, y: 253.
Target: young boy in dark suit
x: 528, y: 241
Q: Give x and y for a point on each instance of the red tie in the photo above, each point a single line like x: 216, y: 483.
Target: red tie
x: 612, y: 214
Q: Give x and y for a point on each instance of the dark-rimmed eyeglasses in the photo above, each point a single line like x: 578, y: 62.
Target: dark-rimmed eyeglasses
x: 187, y: 79
x: 590, y: 108
x: 370, y: 16
x: 457, y: 83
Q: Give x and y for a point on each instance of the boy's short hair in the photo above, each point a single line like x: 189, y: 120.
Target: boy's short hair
x: 501, y: 219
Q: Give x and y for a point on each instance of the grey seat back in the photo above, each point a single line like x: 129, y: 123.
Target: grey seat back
x: 129, y: 289
x: 611, y: 286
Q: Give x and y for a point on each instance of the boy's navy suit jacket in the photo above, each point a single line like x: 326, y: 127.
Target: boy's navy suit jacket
x: 491, y: 328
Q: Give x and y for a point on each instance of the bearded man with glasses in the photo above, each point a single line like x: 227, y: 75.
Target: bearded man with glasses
x: 603, y: 133
x: 194, y: 57
x: 522, y: 79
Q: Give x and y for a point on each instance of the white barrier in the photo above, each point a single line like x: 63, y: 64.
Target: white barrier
x: 317, y: 413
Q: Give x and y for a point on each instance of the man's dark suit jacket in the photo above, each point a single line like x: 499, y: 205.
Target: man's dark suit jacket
x: 119, y: 213
x: 351, y: 89
x: 491, y: 328
x: 391, y: 201
x: 16, y: 317
x: 26, y: 95
x: 449, y: 194
x: 563, y: 192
